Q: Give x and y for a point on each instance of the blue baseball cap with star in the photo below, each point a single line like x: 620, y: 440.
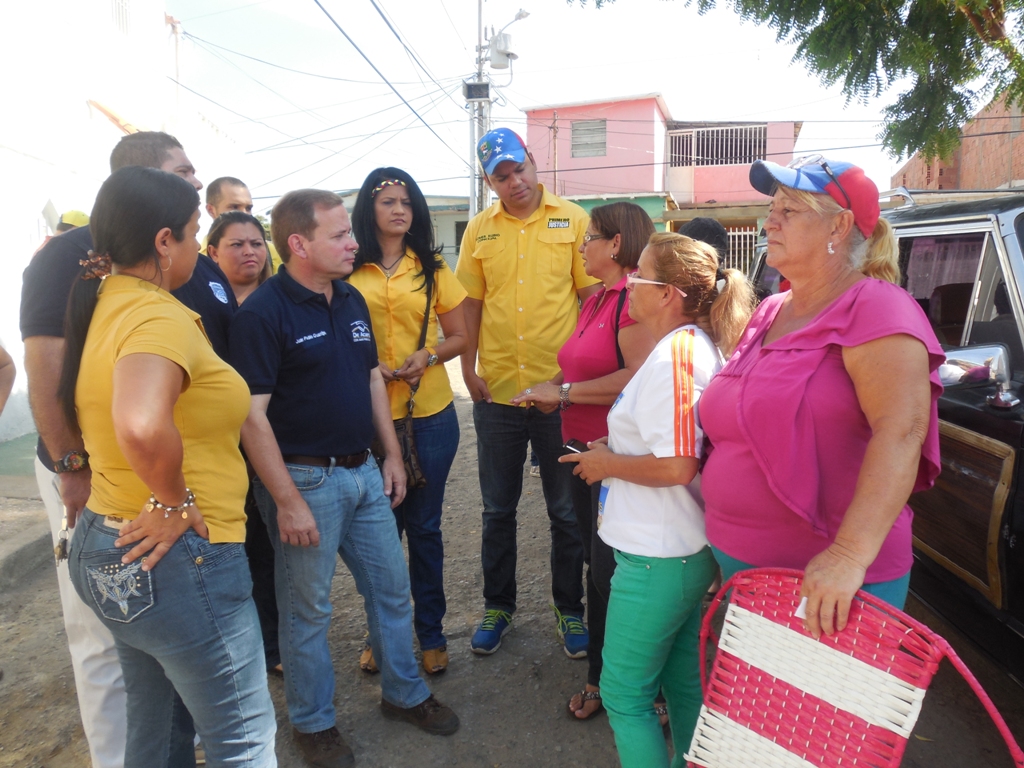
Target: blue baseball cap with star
x: 499, y: 145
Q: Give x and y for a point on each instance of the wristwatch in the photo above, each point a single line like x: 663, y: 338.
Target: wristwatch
x: 73, y: 461
x: 432, y: 359
x: 563, y: 396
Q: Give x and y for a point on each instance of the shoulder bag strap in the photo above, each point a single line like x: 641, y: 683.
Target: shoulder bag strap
x: 423, y: 336
x: 618, y: 318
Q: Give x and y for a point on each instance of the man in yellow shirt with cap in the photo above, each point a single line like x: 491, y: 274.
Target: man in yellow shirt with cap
x: 520, y: 264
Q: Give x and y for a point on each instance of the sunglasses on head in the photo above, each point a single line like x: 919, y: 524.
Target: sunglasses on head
x: 818, y: 160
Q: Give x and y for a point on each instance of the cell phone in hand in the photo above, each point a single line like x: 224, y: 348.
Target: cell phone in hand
x: 576, y: 446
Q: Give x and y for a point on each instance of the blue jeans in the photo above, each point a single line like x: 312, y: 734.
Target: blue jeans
x: 502, y: 434
x: 419, y: 516
x: 354, y: 520
x: 188, y: 626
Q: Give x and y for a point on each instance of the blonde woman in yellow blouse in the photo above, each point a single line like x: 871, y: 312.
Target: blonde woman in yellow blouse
x: 397, y: 261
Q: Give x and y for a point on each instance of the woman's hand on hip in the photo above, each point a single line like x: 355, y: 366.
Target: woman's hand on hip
x: 156, y: 534
x: 414, y: 367
x: 831, y: 580
x: 593, y: 465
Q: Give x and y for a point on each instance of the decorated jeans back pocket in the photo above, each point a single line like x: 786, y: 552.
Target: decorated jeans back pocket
x: 122, y: 592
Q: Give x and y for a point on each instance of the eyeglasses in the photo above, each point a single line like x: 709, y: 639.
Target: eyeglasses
x: 806, y: 160
x: 632, y: 280
x: 588, y: 237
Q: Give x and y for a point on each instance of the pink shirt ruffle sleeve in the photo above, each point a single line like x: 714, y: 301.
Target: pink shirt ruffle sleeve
x: 790, y: 406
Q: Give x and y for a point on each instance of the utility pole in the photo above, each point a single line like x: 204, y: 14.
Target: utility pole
x: 478, y: 99
x: 554, y: 141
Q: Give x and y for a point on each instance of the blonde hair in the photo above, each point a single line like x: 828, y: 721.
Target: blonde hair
x: 877, y: 256
x: 692, y: 266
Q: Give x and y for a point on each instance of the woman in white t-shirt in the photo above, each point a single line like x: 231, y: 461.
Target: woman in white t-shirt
x: 652, y: 512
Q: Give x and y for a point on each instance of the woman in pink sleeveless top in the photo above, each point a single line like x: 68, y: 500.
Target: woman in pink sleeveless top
x: 824, y: 420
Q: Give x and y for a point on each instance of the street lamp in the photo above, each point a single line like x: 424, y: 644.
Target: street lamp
x: 478, y: 98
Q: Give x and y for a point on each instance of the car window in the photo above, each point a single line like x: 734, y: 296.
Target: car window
x: 994, y: 321
x: 940, y: 273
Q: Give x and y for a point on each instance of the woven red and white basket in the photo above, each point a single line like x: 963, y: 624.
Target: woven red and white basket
x: 776, y: 697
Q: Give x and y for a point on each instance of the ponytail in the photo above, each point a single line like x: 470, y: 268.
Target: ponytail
x: 81, y: 305
x: 731, y: 310
x: 692, y: 266
x: 878, y: 256
x: 132, y: 206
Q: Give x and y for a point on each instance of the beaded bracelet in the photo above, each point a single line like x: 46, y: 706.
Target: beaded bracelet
x: 190, y: 501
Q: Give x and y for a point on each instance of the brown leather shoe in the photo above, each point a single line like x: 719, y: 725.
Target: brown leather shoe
x: 324, y: 749
x: 435, y: 660
x: 366, y: 661
x: 431, y: 716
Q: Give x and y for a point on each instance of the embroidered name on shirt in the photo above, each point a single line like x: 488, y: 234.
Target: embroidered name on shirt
x: 310, y: 337
x: 558, y: 223
x: 219, y: 292
x: 360, y: 331
x: 485, y: 238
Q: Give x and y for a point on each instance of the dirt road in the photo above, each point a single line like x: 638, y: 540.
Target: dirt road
x: 512, y: 704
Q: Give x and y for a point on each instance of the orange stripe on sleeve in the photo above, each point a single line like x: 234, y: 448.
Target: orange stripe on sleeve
x: 682, y: 380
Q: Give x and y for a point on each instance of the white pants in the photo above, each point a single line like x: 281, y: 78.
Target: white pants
x: 101, y: 696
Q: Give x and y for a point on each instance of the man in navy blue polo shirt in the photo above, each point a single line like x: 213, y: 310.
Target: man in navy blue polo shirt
x: 304, y: 344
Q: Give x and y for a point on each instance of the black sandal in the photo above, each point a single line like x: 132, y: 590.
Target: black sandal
x: 585, y: 696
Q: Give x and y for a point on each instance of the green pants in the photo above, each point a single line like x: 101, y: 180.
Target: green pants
x: 651, y: 641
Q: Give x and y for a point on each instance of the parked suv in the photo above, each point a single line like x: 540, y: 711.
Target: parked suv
x: 963, y: 263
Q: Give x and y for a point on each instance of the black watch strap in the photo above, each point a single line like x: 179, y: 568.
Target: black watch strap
x: 72, y: 461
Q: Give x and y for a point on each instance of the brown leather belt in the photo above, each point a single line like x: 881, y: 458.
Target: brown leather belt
x: 351, y: 461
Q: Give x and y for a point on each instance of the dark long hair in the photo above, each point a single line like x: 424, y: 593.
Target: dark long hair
x: 226, y: 219
x: 132, y: 206
x: 628, y: 220
x: 420, y: 237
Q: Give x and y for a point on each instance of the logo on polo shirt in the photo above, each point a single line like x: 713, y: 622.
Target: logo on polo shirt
x: 360, y: 331
x: 558, y: 223
x: 219, y: 292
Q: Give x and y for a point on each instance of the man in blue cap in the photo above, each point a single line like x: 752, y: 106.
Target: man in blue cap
x: 520, y: 263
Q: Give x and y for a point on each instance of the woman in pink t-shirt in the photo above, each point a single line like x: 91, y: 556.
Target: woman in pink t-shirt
x: 824, y: 420
x: 597, y: 361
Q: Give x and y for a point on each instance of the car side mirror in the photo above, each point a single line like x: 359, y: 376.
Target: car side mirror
x: 986, y: 363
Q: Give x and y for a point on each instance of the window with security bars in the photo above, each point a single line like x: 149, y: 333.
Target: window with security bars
x: 589, y: 138
x: 121, y: 15
x: 732, y: 145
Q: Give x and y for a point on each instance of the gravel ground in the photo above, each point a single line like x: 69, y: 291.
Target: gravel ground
x: 512, y: 704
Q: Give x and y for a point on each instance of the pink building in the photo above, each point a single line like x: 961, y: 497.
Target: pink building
x: 606, y: 147
x: 632, y: 146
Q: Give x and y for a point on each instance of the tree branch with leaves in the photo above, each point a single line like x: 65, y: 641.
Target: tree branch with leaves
x: 943, y: 59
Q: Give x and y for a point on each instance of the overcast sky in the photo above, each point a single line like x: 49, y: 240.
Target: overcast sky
x: 329, y: 131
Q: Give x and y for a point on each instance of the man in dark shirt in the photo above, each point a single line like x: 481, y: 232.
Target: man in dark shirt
x: 304, y: 345
x: 46, y: 284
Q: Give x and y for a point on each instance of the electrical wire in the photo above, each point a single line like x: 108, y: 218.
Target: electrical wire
x: 381, y: 75
x: 333, y: 154
x: 283, y: 144
x: 233, y: 112
x: 262, y: 84
x: 445, y: 9
x: 290, y: 69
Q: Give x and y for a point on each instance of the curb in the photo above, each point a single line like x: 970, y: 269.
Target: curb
x: 24, y: 552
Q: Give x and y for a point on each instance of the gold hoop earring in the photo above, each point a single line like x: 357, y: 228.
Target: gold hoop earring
x: 169, y: 262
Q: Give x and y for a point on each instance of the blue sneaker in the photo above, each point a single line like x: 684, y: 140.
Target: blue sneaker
x: 573, y: 634
x: 487, y: 638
